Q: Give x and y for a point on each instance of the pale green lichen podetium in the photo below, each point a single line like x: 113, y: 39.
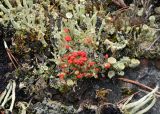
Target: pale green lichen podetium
x: 118, y: 66
x: 142, y: 105
x: 25, y: 16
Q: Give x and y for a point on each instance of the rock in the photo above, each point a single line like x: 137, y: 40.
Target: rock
x: 143, y: 71
x: 157, y: 64
x: 52, y: 107
x: 144, y: 62
x: 109, y: 109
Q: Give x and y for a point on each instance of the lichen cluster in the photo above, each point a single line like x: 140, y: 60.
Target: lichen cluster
x: 41, y: 28
x: 65, y: 41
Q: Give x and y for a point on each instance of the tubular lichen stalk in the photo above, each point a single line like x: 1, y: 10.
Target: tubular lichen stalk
x: 7, y: 95
x: 142, y: 105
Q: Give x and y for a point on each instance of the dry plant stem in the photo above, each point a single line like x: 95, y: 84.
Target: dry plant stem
x: 122, y: 10
x: 11, y: 60
x: 149, y: 48
x: 138, y: 84
x: 126, y: 98
x: 16, y: 61
x: 119, y: 3
x: 11, y: 57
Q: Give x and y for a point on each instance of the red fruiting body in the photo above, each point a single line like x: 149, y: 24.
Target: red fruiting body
x: 91, y: 63
x: 97, y: 69
x: 78, y: 58
x: 74, y: 68
x: 66, y: 30
x: 61, y: 75
x: 76, y: 62
x: 89, y: 75
x: 70, y: 61
x: 79, y: 76
x: 76, y: 72
x: 67, y: 46
x: 107, y: 65
x: 68, y: 38
x: 88, y: 41
x: 63, y: 66
x: 106, y: 56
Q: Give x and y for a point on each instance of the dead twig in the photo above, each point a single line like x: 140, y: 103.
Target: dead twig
x: 149, y: 48
x: 126, y: 98
x: 120, y: 3
x: 121, y: 10
x: 138, y: 84
x: 10, y: 55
